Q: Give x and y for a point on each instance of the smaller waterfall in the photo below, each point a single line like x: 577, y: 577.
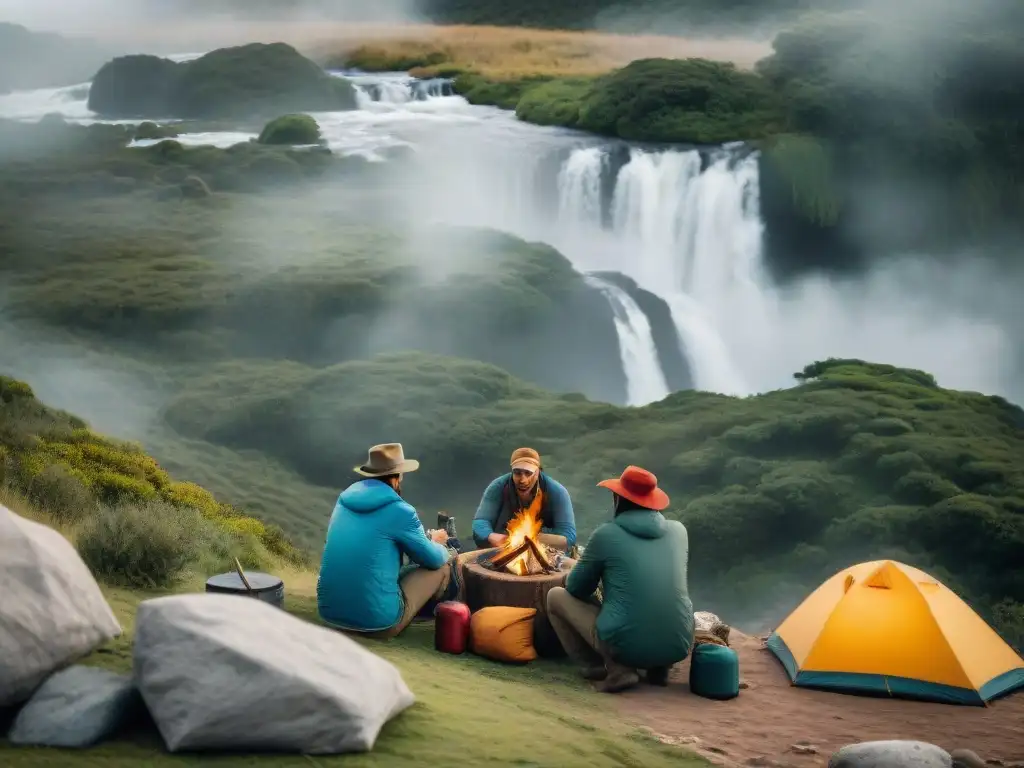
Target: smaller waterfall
x: 397, y: 88
x: 645, y: 381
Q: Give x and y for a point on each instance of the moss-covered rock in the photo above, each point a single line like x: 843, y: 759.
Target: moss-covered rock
x: 291, y: 129
x: 250, y: 81
x: 150, y: 130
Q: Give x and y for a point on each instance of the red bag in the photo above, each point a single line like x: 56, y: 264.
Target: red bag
x: 451, y: 627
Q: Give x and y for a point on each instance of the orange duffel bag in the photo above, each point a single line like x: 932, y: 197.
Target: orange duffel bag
x: 503, y: 633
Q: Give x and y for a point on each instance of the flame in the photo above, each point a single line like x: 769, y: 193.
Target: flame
x: 525, y: 523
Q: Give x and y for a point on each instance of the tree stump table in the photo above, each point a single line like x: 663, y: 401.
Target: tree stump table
x: 484, y: 587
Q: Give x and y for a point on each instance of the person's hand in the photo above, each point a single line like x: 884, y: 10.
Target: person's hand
x: 497, y: 539
x: 440, y: 536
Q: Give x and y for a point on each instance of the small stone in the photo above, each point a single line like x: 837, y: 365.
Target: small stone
x: 965, y: 758
x: 891, y: 754
x: 804, y: 749
x: 744, y: 685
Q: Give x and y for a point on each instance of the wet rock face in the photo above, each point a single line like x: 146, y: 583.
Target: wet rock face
x: 891, y: 754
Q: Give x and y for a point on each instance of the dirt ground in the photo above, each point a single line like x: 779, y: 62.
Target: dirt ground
x: 772, y: 723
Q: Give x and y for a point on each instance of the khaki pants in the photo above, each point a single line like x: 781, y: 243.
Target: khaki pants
x: 575, y: 623
x: 419, y: 586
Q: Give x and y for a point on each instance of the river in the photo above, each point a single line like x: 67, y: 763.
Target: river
x: 683, y: 223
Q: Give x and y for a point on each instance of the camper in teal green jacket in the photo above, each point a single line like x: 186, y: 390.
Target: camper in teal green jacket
x: 645, y: 618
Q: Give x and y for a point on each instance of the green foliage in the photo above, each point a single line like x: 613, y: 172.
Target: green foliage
x: 688, y: 100
x: 805, y: 168
x: 141, y: 546
x: 150, y: 130
x: 370, y: 58
x: 505, y: 94
x: 903, y: 95
x: 74, y: 474
x: 291, y: 129
x: 255, y: 80
x: 843, y: 467
x: 662, y: 100
x: 556, y: 102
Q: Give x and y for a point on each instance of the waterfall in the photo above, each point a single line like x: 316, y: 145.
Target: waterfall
x: 645, y: 381
x: 396, y: 88
x: 685, y: 227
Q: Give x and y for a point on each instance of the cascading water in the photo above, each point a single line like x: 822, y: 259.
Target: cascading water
x: 684, y: 225
x: 684, y: 228
x: 396, y: 89
x: 644, y: 378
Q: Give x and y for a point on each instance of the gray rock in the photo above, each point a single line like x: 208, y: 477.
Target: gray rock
x: 891, y: 754
x: 966, y: 758
x: 76, y: 707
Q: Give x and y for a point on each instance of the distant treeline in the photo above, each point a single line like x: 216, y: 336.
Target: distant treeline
x: 664, y: 16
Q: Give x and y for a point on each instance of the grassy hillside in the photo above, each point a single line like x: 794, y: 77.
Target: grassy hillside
x: 486, y: 713
x: 778, y: 490
x: 465, y: 705
x: 134, y: 525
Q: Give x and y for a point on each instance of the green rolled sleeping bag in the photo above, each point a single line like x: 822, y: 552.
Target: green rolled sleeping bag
x: 715, y: 672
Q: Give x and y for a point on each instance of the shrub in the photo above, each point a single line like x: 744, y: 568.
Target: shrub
x: 141, y: 545
x: 291, y: 129
x: 555, y: 103
x: 687, y: 100
x: 61, y: 494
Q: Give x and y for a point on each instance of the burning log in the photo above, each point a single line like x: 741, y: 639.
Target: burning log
x: 527, y: 559
x: 503, y: 558
x: 541, y: 558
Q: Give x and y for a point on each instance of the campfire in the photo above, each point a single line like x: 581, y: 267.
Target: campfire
x: 523, y: 554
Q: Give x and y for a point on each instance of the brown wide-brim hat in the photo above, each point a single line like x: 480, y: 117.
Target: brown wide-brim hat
x: 387, y: 459
x: 639, y: 486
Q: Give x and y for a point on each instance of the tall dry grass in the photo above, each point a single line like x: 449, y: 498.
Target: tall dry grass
x: 495, y: 52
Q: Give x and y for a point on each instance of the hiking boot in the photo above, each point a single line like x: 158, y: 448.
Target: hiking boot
x: 619, y: 680
x: 595, y: 673
x: 658, y: 676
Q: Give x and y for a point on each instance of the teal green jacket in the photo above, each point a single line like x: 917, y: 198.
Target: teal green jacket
x: 640, y: 558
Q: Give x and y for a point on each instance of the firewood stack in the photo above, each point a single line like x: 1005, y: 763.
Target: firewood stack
x: 528, y: 559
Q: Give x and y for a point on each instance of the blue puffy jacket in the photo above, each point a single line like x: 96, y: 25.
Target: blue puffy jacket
x: 370, y: 529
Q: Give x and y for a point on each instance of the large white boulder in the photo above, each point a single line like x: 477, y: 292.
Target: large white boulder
x: 229, y: 672
x: 52, y: 611
x: 891, y: 754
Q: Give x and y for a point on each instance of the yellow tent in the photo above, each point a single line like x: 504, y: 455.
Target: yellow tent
x: 885, y: 627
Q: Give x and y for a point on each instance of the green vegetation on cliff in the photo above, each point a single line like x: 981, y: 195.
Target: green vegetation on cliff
x: 660, y: 100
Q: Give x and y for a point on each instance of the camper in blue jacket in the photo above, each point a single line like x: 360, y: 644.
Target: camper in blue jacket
x: 362, y: 586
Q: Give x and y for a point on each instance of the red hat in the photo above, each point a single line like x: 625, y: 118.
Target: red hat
x: 639, y: 486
